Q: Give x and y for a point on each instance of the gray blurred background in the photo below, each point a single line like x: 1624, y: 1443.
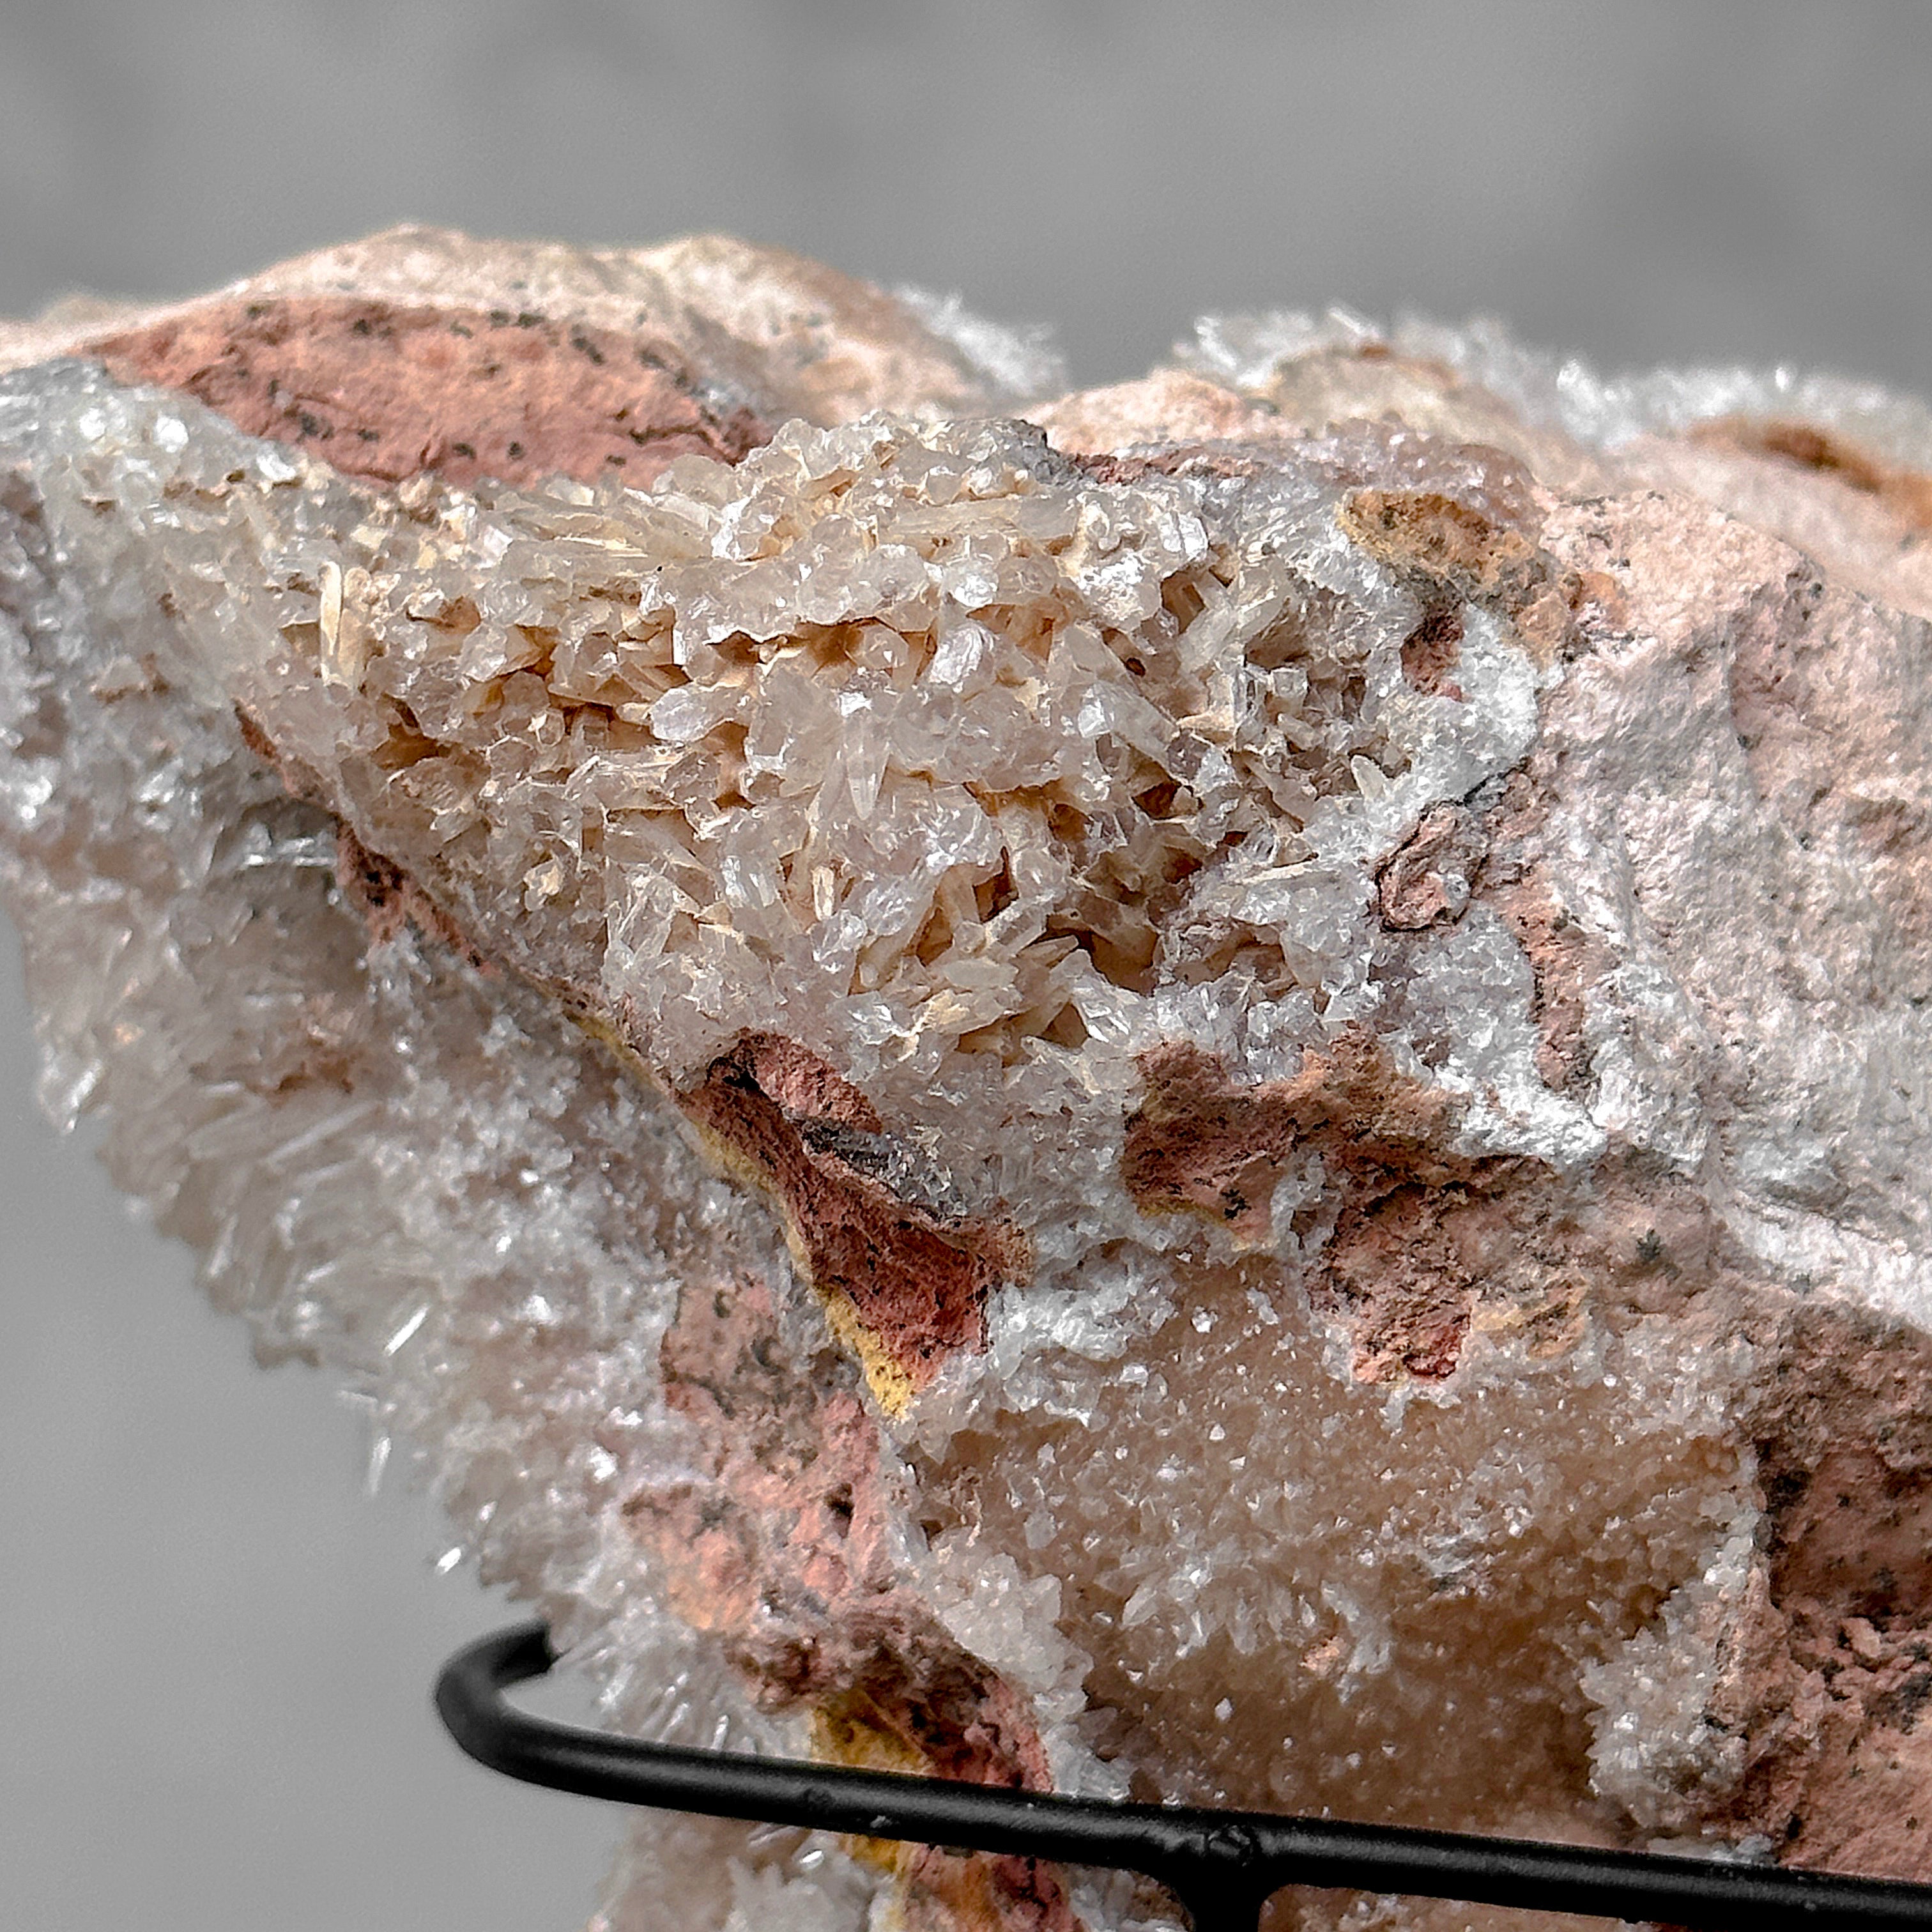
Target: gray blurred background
x: 215, y: 1652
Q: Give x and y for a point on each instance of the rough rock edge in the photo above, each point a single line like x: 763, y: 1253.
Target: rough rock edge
x: 774, y: 333
x: 384, y: 390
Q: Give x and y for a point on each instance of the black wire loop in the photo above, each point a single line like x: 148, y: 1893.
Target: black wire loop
x: 1223, y: 1866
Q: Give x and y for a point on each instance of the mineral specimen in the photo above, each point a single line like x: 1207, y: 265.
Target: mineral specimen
x: 1217, y: 1089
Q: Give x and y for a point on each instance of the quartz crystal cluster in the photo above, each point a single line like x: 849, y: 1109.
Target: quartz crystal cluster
x: 1214, y: 1090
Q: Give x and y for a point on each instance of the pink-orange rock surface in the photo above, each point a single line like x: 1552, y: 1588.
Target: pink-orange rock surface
x: 1213, y: 1089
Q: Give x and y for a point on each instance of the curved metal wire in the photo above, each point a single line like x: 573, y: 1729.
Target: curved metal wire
x: 1223, y: 1866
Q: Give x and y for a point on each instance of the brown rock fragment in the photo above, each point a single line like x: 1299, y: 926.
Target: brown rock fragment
x: 904, y: 1272
x: 1430, y: 651
x: 1414, y: 1239
x: 1561, y: 955
x: 1428, y: 880
x: 786, y: 1553
x: 389, y: 899
x: 1826, y: 1676
x: 1808, y: 446
x: 1447, y: 545
x: 771, y: 331
x: 384, y: 390
x: 1201, y: 1143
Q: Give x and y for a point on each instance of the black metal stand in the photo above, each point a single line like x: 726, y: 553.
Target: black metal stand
x: 1223, y: 1865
